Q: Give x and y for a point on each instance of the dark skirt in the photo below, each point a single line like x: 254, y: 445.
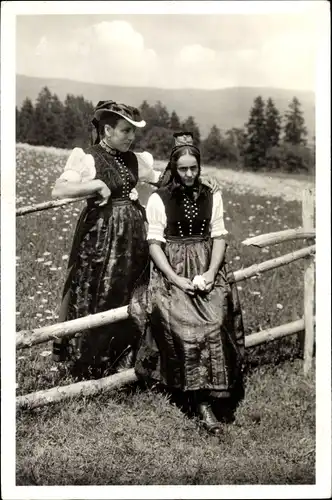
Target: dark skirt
x: 108, y: 256
x: 190, y: 343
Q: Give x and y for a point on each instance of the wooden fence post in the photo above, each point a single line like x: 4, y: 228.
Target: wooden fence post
x: 308, y: 220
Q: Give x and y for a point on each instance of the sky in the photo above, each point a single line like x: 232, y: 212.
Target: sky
x: 206, y: 51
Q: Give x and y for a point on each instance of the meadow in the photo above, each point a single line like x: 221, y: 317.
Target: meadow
x: 136, y: 436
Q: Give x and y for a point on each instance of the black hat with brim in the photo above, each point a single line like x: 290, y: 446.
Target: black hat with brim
x: 129, y: 113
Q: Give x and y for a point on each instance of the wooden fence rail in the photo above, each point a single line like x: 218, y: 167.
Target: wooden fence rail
x: 93, y: 387
x: 49, y: 204
x: 28, y: 338
x: 264, y: 240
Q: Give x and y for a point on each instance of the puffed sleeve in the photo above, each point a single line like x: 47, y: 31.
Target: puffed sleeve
x: 217, y: 226
x: 80, y: 167
x: 156, y: 217
x: 146, y: 173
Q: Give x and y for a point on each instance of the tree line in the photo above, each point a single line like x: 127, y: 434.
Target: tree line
x: 267, y: 141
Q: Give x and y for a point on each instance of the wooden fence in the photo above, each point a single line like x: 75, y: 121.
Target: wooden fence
x: 28, y: 338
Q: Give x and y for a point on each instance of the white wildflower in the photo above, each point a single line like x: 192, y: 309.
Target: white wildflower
x: 46, y: 353
x: 199, y: 282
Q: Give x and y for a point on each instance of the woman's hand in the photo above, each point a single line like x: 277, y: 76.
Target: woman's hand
x: 185, y: 285
x: 212, y: 183
x: 104, y: 193
x: 209, y: 277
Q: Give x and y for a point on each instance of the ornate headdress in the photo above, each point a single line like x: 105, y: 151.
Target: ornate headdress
x: 181, y: 140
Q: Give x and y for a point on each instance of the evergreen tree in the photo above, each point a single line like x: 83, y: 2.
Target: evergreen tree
x: 211, y: 146
x: 295, y: 131
x: 189, y: 125
x: 163, y: 119
x: 44, y: 119
x: 56, y: 124
x: 273, y: 124
x: 149, y: 114
x: 158, y: 141
x: 77, y: 121
x: 255, y: 150
x: 175, y: 124
x: 17, y: 124
x: 236, y: 139
x: 25, y: 122
x: 72, y: 123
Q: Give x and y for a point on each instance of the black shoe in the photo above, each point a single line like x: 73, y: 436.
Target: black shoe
x: 208, y: 419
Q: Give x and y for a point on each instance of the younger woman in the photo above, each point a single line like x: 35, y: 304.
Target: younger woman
x: 193, y: 339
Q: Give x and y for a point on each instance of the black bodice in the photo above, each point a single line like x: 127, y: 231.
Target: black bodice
x: 187, y: 217
x: 119, y: 172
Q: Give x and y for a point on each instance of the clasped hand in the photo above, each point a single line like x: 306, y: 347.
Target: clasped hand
x: 103, y: 193
x: 205, y: 284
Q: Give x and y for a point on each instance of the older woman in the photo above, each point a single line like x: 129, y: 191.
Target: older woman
x: 109, y: 252
x: 190, y: 317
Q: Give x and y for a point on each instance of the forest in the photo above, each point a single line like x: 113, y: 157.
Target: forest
x: 268, y: 141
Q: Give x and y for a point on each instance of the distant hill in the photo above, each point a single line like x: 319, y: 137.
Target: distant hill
x: 225, y: 108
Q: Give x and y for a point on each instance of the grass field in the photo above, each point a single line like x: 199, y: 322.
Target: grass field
x: 139, y: 437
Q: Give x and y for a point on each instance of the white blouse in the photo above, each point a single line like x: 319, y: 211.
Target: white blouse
x: 80, y: 167
x: 157, y: 221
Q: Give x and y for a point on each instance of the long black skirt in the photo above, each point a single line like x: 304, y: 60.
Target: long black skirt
x: 190, y: 343
x: 108, y: 256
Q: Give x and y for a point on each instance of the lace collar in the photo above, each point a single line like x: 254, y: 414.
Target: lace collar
x: 107, y: 148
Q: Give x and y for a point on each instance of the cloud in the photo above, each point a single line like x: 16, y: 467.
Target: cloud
x: 196, y: 66
x: 286, y: 60
x: 195, y: 54
x: 120, y: 34
x: 109, y: 52
x: 42, y: 46
x: 116, y: 52
x: 113, y: 52
x: 290, y: 60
